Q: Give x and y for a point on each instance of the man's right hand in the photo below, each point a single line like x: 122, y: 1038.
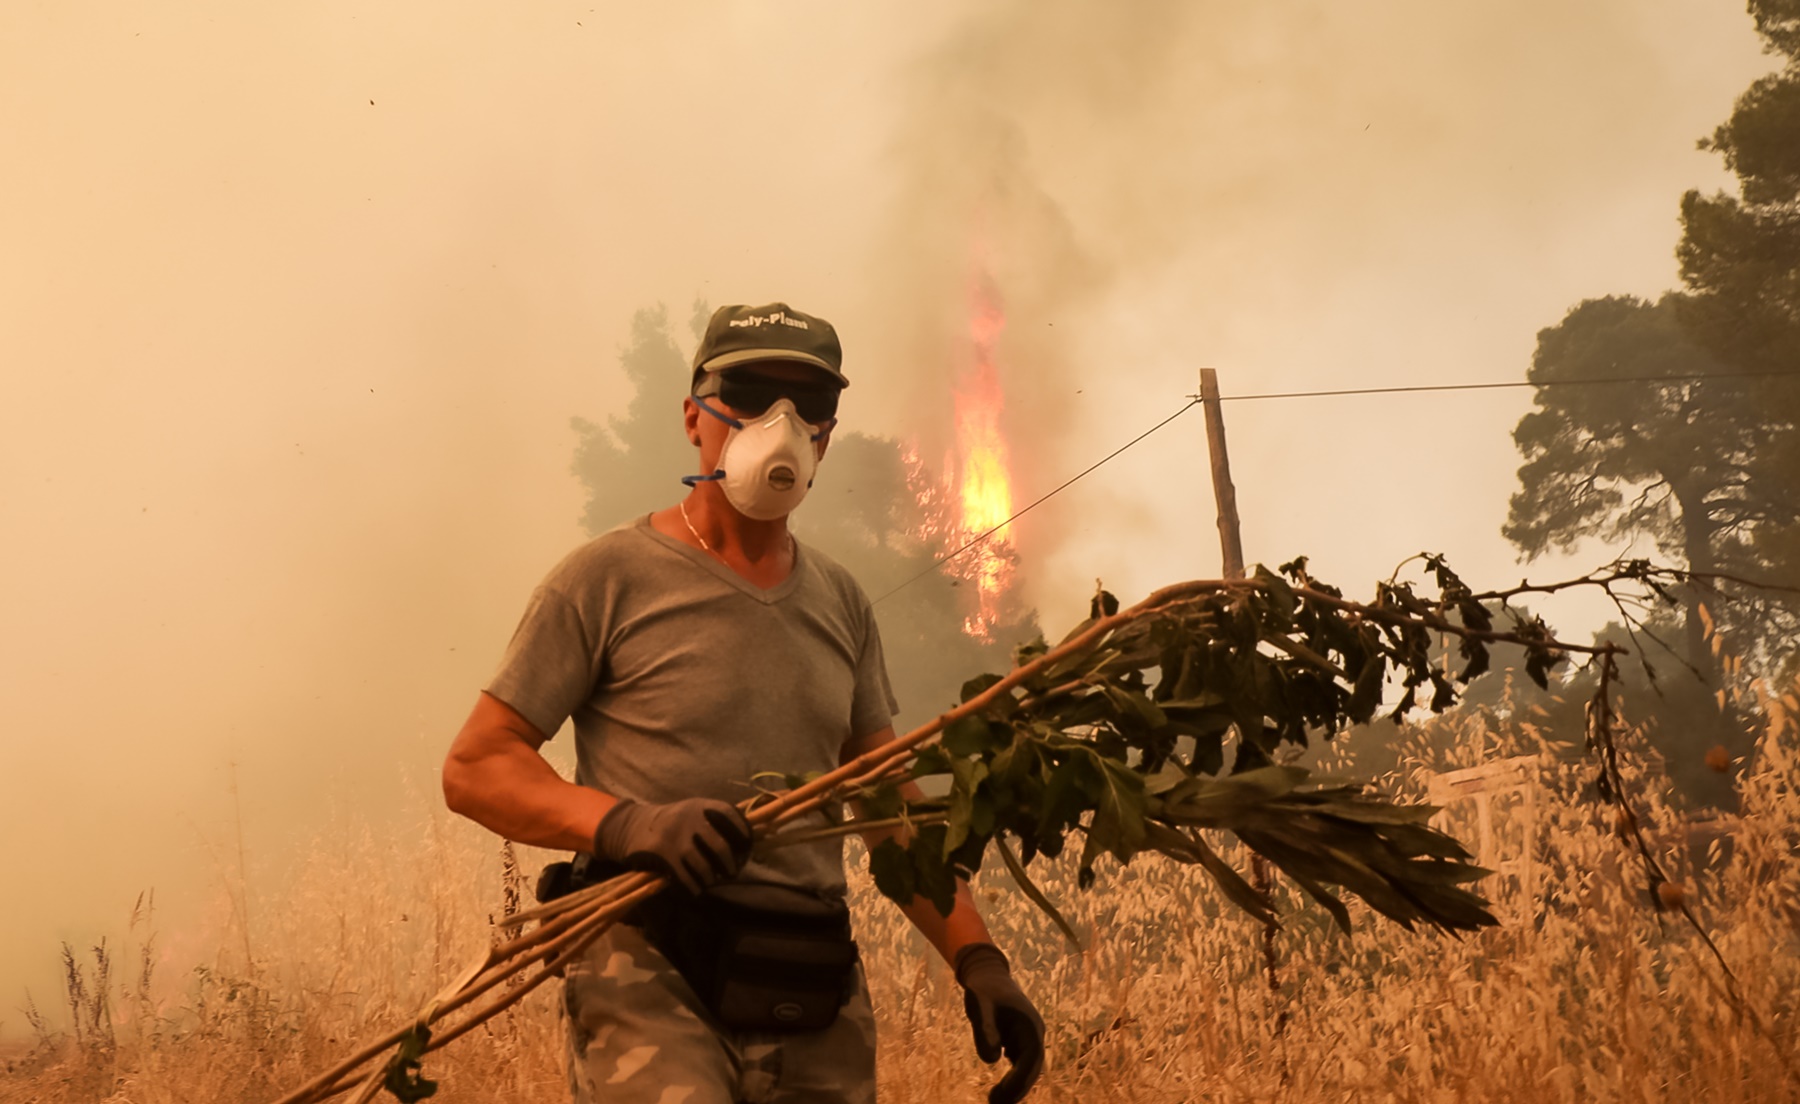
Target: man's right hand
x: 697, y: 841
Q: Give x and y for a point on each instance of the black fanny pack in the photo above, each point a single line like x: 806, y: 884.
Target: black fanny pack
x: 760, y: 957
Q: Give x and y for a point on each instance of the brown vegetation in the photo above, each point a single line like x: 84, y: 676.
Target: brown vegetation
x: 1584, y: 992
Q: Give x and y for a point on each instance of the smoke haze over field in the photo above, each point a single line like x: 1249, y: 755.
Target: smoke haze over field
x: 296, y: 303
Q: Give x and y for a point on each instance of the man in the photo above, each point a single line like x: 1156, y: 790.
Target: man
x: 695, y: 648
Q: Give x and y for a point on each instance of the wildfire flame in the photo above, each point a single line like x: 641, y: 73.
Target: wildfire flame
x: 982, y: 472
x: 976, y: 494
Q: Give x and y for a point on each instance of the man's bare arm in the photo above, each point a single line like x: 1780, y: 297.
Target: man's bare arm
x: 949, y: 934
x: 495, y: 776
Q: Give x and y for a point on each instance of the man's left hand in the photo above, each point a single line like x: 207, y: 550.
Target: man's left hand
x: 1004, y: 1019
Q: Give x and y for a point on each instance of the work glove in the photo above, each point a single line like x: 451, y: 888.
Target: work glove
x: 695, y: 842
x: 1003, y: 1018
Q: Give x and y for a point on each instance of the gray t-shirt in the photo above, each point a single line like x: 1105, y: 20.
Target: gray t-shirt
x: 686, y: 680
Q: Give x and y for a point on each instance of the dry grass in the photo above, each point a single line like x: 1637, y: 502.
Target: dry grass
x: 1584, y: 994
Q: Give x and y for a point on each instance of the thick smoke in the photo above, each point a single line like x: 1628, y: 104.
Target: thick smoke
x: 1302, y: 198
x: 993, y: 116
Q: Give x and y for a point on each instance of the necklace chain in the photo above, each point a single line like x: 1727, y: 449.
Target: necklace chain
x: 689, y: 522
x: 685, y: 520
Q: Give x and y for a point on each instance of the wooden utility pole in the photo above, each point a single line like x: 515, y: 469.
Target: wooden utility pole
x: 1231, y: 550
x: 1231, y: 544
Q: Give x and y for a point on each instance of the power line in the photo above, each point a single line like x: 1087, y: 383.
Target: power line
x: 1194, y: 400
x: 948, y: 556
x: 1494, y: 386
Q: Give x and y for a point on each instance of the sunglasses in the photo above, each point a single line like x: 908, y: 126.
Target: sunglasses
x: 751, y: 395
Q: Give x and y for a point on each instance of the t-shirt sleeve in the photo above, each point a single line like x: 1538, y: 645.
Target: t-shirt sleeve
x: 547, y: 671
x: 874, y: 706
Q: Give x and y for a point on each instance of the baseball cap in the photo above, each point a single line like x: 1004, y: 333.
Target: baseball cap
x: 774, y: 331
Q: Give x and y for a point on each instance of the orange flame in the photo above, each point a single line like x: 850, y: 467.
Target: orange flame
x: 982, y: 475
x: 975, y: 495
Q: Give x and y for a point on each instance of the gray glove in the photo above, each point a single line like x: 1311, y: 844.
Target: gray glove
x: 1003, y: 1018
x: 696, y: 841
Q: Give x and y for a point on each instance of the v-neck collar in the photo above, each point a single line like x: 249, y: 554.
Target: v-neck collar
x: 718, y: 568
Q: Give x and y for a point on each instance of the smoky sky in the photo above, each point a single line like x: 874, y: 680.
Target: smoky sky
x: 296, y: 303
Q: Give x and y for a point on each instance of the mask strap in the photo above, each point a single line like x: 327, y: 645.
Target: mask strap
x: 823, y: 430
x: 719, y: 473
x: 730, y: 421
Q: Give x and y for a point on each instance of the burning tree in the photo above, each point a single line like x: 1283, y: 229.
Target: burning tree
x: 965, y: 512
x: 983, y: 477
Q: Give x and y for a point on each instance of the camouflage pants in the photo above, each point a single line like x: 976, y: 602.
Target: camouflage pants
x: 639, y: 1035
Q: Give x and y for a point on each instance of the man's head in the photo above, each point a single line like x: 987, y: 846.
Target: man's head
x: 753, y: 364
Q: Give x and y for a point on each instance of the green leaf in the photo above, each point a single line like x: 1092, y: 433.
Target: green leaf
x: 1549, y: 661
x: 883, y: 801
x: 974, y: 735
x: 929, y: 760
x: 971, y: 811
x: 1200, y: 702
x: 1365, y: 697
x: 1477, y: 654
x: 1065, y: 796
x: 1118, y: 823
x: 1135, y: 704
x: 1209, y: 752
x: 933, y: 876
x: 1474, y: 615
x: 978, y: 685
x: 1442, y: 696
x: 892, y: 868
x: 1167, y: 778
x: 1536, y: 664
x: 1281, y: 596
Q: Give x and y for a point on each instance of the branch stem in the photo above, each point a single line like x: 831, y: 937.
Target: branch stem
x: 848, y: 828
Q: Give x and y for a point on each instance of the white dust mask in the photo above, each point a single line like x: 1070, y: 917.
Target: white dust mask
x: 767, y: 464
